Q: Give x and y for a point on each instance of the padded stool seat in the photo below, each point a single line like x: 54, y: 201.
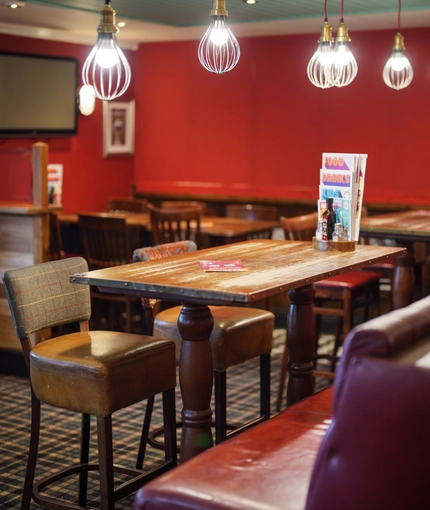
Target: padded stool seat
x: 349, y: 280
x: 239, y: 334
x: 100, y: 372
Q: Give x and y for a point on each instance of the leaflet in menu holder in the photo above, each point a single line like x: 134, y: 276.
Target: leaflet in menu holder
x: 342, y: 181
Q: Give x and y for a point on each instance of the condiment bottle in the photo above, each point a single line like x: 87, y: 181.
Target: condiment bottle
x: 329, y: 220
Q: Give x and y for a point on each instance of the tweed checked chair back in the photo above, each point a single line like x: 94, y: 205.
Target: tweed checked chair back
x: 41, y: 296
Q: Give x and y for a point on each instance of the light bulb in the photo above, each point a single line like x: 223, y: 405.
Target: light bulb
x: 343, y: 55
x: 344, y: 68
x: 219, y: 33
x: 219, y: 51
x: 398, y: 72
x: 106, y: 69
x: 319, y: 66
x: 106, y: 55
x: 86, y: 100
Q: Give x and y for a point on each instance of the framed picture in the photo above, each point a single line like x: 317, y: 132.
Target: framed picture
x: 118, y: 128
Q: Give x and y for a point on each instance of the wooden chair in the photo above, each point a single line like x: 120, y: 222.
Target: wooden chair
x: 172, y: 225
x: 134, y: 205
x: 106, y: 242
x: 89, y: 372
x: 338, y: 296
x: 183, y: 204
x: 239, y: 334
x: 253, y: 212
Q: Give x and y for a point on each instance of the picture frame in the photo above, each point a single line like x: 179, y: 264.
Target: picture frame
x: 118, y: 128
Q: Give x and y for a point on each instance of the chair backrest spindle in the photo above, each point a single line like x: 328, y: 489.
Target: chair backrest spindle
x: 169, y: 226
x: 300, y: 228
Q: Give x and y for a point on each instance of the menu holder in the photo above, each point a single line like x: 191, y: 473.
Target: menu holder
x: 333, y: 245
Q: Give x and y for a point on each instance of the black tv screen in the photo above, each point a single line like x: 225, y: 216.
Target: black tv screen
x: 38, y: 95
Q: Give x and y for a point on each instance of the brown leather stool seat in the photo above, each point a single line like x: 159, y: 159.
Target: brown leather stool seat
x: 239, y: 334
x: 100, y: 372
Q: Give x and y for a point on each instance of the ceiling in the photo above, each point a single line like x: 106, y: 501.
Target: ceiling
x: 168, y: 20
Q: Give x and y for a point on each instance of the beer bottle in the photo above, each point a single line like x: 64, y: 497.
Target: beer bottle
x: 329, y: 219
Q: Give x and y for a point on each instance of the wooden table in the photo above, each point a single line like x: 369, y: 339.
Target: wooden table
x: 405, y: 228
x: 273, y: 267
x: 218, y: 230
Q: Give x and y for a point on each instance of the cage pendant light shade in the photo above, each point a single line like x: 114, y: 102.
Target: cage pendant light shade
x: 398, y: 72
x: 106, y: 69
x: 319, y: 66
x: 345, y: 67
x: 219, y: 51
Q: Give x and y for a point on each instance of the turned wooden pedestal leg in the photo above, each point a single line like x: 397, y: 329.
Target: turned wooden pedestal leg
x: 195, y: 325
x: 301, y: 338
x: 403, y: 287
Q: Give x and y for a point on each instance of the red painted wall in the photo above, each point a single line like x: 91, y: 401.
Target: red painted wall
x: 88, y: 177
x: 260, y: 130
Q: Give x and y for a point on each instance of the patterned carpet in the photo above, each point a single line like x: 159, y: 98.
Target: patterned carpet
x: 60, y: 439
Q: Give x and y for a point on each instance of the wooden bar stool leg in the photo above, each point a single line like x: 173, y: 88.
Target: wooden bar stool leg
x: 85, y: 449
x: 32, y: 455
x: 282, y: 376
x: 104, y: 433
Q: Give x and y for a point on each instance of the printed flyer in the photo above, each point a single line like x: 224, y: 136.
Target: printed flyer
x: 342, y: 178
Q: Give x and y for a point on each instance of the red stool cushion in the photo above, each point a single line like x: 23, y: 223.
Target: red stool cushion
x: 349, y: 280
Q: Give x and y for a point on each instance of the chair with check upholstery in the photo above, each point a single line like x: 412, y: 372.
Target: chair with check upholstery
x: 338, y: 296
x: 239, y: 334
x: 89, y: 372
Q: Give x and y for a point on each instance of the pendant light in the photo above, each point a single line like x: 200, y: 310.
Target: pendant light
x: 345, y: 67
x: 319, y: 67
x: 398, y: 72
x: 106, y: 67
x: 219, y: 50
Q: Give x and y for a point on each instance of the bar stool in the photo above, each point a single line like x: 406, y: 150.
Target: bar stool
x: 239, y: 334
x: 89, y: 372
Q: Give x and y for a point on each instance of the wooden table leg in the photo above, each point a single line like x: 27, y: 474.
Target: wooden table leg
x: 195, y: 325
x: 403, y: 286
x: 301, y: 338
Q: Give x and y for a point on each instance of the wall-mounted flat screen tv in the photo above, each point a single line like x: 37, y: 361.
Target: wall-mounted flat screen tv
x: 38, y: 95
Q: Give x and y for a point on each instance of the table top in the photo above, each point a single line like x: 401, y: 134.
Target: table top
x: 272, y: 267
x: 217, y: 226
x: 411, y: 225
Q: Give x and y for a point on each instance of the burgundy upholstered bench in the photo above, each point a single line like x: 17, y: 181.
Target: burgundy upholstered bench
x: 363, y: 443
x: 264, y: 465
